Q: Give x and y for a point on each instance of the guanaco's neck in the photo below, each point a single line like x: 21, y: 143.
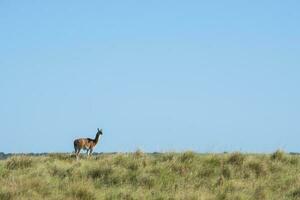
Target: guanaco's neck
x: 96, y: 138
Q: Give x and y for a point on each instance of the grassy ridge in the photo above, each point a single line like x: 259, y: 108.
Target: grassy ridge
x: 152, y: 176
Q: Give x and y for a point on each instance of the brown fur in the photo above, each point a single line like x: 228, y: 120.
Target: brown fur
x: 86, y: 144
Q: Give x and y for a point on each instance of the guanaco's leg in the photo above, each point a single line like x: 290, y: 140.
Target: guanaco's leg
x: 77, y: 153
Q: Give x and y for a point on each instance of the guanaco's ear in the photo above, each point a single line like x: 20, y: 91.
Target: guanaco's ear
x: 97, y: 129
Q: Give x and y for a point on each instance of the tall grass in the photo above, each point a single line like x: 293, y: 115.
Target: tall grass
x: 138, y: 175
x: 19, y: 162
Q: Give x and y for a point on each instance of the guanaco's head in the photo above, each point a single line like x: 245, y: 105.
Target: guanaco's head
x: 99, y: 131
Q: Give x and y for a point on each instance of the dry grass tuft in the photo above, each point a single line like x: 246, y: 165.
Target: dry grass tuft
x: 6, y: 195
x: 81, y: 191
x: 19, y: 162
x: 260, y: 193
x: 236, y: 159
x: 187, y: 157
x: 259, y: 168
x: 278, y: 155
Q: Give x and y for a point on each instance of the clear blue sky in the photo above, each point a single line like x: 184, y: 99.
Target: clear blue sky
x: 208, y: 76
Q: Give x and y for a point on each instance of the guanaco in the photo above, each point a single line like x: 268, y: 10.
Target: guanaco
x: 86, y: 144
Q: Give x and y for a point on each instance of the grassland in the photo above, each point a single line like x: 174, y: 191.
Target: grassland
x: 137, y: 175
